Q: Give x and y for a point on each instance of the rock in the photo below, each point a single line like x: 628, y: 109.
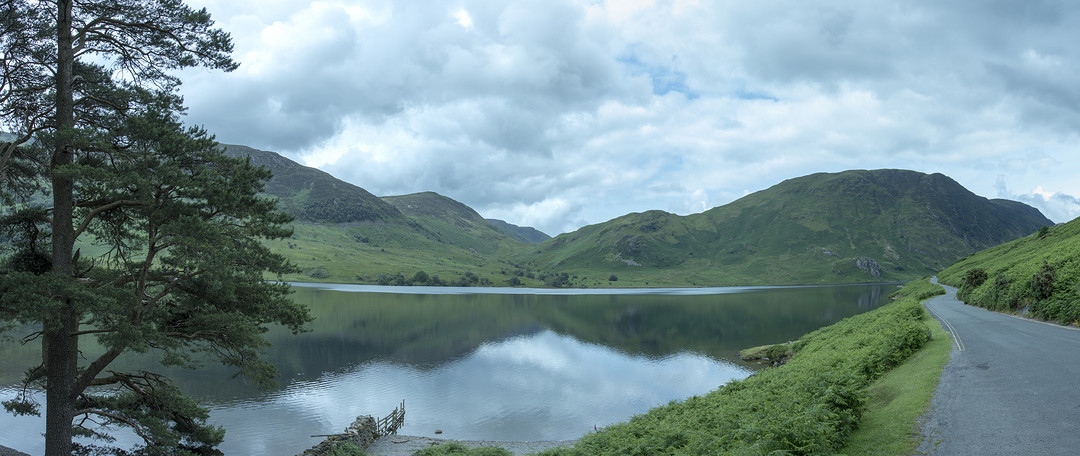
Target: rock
x: 361, y: 433
x: 869, y: 266
x: 824, y: 251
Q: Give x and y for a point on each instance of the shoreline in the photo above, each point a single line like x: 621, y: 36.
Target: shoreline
x: 405, y: 445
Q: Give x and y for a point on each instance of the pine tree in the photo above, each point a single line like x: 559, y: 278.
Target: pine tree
x: 87, y: 93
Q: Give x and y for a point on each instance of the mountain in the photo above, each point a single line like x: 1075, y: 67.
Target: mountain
x: 1035, y: 275
x: 312, y: 195
x: 526, y: 234
x: 854, y: 226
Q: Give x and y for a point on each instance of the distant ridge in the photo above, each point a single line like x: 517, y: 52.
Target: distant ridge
x: 431, y: 204
x: 452, y: 222
x: 526, y: 234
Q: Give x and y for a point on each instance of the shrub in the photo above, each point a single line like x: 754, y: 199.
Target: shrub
x: 1042, y: 283
x: 975, y: 277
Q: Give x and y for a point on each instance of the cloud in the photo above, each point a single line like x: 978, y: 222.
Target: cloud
x: 560, y: 113
x: 1056, y: 206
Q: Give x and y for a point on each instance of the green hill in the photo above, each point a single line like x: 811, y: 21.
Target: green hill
x: 854, y: 226
x: 1038, y: 275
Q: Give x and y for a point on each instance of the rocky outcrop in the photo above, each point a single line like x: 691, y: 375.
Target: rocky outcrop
x: 361, y: 434
x: 869, y: 266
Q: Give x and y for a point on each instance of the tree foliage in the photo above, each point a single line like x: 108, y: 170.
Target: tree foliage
x: 87, y: 91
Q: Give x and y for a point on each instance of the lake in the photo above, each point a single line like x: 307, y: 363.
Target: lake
x: 491, y: 364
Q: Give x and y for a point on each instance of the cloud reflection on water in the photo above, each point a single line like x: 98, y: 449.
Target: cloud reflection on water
x: 542, y: 386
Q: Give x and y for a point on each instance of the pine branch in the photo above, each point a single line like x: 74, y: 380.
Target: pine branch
x: 97, y: 211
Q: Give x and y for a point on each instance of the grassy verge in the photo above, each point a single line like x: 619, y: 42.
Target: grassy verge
x: 897, y: 400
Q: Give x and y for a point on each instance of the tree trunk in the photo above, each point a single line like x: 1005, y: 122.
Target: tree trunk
x: 59, y: 346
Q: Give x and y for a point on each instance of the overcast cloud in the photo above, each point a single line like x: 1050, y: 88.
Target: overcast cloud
x: 560, y: 113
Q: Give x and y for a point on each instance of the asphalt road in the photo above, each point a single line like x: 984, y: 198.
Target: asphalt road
x: 1012, y: 386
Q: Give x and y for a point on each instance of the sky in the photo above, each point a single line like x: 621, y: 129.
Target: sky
x: 561, y: 113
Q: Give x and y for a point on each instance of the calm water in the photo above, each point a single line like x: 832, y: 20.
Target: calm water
x: 495, y: 364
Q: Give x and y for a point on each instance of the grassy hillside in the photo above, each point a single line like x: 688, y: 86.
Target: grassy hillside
x: 1038, y: 275
x: 855, y: 226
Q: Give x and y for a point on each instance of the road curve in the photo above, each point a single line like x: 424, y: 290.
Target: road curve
x: 1011, y: 387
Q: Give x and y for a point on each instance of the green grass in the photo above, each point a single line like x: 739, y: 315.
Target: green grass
x: 897, y: 400
x: 359, y: 253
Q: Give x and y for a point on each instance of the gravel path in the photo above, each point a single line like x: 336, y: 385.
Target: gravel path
x: 1009, y: 388
x: 405, y: 445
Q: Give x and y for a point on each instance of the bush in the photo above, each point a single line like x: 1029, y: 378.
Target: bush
x: 1042, y: 283
x: 972, y: 279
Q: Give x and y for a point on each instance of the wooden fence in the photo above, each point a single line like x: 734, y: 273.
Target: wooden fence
x: 390, y: 423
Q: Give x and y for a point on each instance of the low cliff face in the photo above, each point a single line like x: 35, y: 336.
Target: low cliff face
x: 853, y: 226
